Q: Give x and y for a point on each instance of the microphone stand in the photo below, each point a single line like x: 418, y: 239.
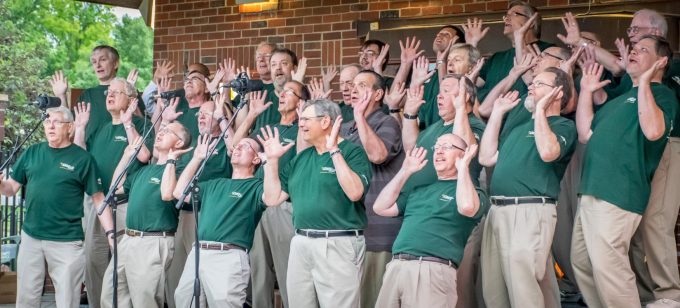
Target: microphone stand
x: 16, y: 148
x: 111, y: 200
x: 196, y: 203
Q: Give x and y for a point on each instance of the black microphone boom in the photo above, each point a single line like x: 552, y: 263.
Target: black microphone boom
x: 245, y: 85
x: 44, y: 102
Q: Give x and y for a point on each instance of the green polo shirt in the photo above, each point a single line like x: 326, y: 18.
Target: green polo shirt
x: 55, y: 181
x: 619, y: 161
x: 521, y: 172
x: 346, y: 111
x: 432, y: 225
x: 218, y: 165
x: 517, y: 116
x: 287, y: 134
x: 188, y: 117
x: 146, y: 210
x: 270, y: 116
x: 429, y: 111
x: 99, y: 116
x: 319, y: 201
x: 230, y: 210
x: 107, y: 145
x: 498, y: 67
x: 428, y: 138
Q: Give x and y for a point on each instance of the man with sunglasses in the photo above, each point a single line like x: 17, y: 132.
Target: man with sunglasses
x: 107, y: 143
x: 438, y: 219
x: 56, y: 174
x: 271, y: 243
x: 326, y: 183
x: 528, y: 166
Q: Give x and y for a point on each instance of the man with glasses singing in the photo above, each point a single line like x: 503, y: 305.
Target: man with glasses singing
x: 326, y: 183
x: 529, y: 164
x: 56, y: 175
x: 107, y: 143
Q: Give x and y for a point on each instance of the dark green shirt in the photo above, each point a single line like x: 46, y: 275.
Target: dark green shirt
x: 270, y: 116
x: 319, y: 201
x: 619, y: 161
x: 230, y: 210
x: 99, y: 116
x: 188, y: 117
x: 346, y: 111
x: 517, y: 116
x: 429, y: 111
x: 218, y: 165
x: 498, y: 67
x: 55, y: 181
x: 521, y: 172
x: 146, y: 210
x: 432, y: 225
x: 428, y: 138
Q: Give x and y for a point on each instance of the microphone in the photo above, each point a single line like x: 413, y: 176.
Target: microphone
x: 44, y: 102
x: 168, y: 95
x: 244, y: 85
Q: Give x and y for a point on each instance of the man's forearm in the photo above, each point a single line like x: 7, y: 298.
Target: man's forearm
x: 584, y: 116
x: 374, y: 146
x: 348, y: 179
x: 651, y: 116
x: 409, y: 133
x: 488, y: 148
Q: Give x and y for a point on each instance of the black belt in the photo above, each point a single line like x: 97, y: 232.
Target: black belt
x: 320, y: 234
x: 221, y: 246
x: 521, y: 200
x: 408, y: 257
x: 130, y: 232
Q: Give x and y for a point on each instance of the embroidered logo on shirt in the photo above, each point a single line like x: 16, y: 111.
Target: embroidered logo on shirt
x: 287, y: 141
x: 120, y: 138
x: 154, y: 181
x: 446, y: 198
x: 235, y: 194
x: 66, y: 166
x: 531, y: 134
x: 99, y: 181
x: 631, y: 100
x: 676, y: 79
x: 330, y: 170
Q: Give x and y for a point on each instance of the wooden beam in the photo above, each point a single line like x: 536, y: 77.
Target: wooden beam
x: 132, y: 4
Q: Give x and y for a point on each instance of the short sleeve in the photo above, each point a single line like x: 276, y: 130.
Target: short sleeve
x: 285, y: 174
x: 129, y: 180
x: 484, y: 204
x: 565, y: 131
x: 401, y: 201
x: 92, y: 181
x: 390, y: 134
x: 358, y: 161
x: 259, y: 193
x: 668, y: 104
x: 18, y: 170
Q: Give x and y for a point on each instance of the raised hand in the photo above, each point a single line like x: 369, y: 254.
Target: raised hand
x: 176, y: 154
x: 588, y: 58
x: 359, y: 108
x: 623, y: 49
x: 658, y: 66
x: 568, y: 65
x: 228, y: 65
x: 414, y: 100
x: 528, y: 62
x: 506, y: 102
x: 82, y: 111
x: 395, y: 95
x: 571, y: 26
x: 170, y: 113
x: 244, y: 70
x: 420, y: 73
x: 204, y: 146
x: 316, y: 89
x: 409, y: 51
x: 546, y: 101
x: 126, y: 115
x: 272, y: 144
x: 474, y: 32
x: 131, y: 148
x: 521, y: 31
x: 380, y: 60
x: 59, y: 84
x: 462, y: 163
x: 257, y: 105
x: 163, y: 70
x: 474, y: 71
x: 441, y: 55
x: 415, y: 160
x: 132, y: 76
x: 327, y: 76
x: 164, y: 84
x: 299, y: 74
x: 590, y: 81
x: 332, y: 139
x: 459, y: 101
x: 215, y: 82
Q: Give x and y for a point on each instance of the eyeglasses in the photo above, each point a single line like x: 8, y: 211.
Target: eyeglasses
x: 164, y: 131
x: 636, y: 29
x: 367, y: 53
x: 446, y: 147
x: 192, y: 79
x: 543, y: 54
x: 114, y: 92
x: 538, y: 84
x: 203, y: 114
x: 287, y: 91
x: 305, y: 119
x: 242, y: 146
x: 514, y: 14
x: 56, y: 123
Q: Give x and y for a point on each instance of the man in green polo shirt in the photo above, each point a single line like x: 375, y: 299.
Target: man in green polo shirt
x: 230, y: 211
x: 145, y: 251
x: 271, y: 245
x: 326, y: 183
x: 56, y: 175
x: 438, y: 218
x: 528, y: 166
x: 614, y: 192
x: 107, y: 143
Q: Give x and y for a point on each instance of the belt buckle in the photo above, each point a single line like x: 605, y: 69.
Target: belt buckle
x: 222, y: 246
x: 141, y: 234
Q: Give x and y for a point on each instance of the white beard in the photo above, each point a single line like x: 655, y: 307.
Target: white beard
x: 530, y: 104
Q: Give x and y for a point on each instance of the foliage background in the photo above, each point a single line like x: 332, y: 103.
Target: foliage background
x: 39, y: 37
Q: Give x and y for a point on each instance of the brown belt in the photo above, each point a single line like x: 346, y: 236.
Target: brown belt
x: 408, y: 257
x: 221, y: 246
x: 130, y: 232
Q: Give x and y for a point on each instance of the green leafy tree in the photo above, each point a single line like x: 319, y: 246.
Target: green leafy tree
x: 134, y: 41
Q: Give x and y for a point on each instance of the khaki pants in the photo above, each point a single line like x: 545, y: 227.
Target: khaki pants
x: 516, y: 263
x: 97, y: 250
x: 375, y: 265
x: 599, y: 254
x: 325, y: 272
x: 418, y: 284
x: 65, y: 264
x: 142, y: 262
x: 269, y: 256
x: 184, y: 240
x: 656, y: 233
x: 224, y: 278
x: 469, y: 274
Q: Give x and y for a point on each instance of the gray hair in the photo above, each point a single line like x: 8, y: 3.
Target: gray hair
x: 269, y: 44
x: 323, y: 107
x: 470, y: 87
x: 129, y: 88
x: 65, y: 113
x: 354, y: 65
x: 656, y: 20
x: 472, y: 51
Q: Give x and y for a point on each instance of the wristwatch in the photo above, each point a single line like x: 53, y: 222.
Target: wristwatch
x: 333, y: 152
x: 410, y: 116
x: 395, y: 110
x: 171, y: 162
x: 128, y: 126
